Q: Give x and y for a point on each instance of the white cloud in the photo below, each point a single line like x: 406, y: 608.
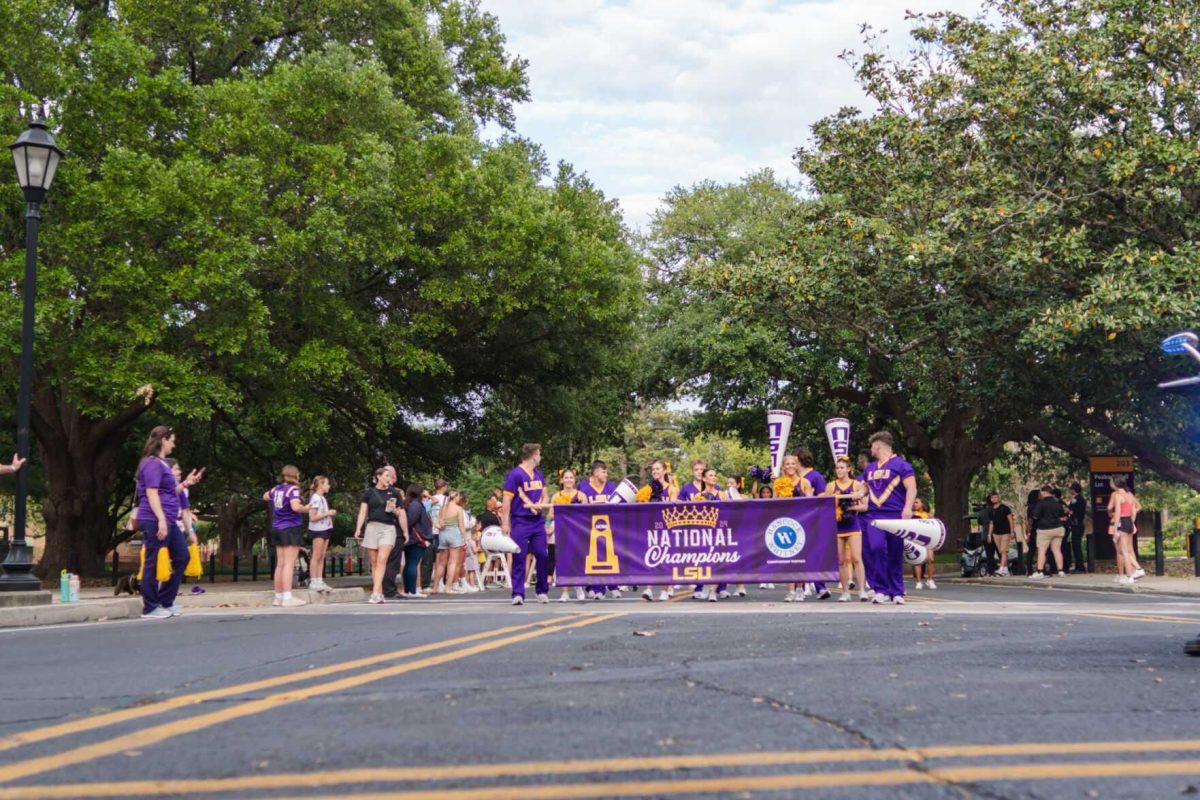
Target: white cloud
x: 645, y: 95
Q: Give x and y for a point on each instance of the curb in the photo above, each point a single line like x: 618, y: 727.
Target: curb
x: 1049, y: 584
x: 131, y: 607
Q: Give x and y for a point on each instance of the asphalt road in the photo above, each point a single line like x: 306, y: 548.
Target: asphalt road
x: 965, y: 692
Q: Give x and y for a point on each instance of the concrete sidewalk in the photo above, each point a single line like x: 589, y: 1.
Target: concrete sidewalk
x: 97, y: 604
x: 1094, y: 582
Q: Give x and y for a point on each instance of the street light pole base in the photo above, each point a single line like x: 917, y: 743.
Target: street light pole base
x: 16, y: 573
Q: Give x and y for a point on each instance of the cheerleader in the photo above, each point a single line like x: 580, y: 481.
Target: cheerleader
x: 923, y: 573
x: 792, y: 484
x: 599, y: 489
x: 567, y: 495
x: 712, y: 492
x: 662, y: 488
x: 851, y: 496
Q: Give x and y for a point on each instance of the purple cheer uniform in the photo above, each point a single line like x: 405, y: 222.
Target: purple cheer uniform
x: 690, y: 491
x: 527, y: 528
x: 883, y: 553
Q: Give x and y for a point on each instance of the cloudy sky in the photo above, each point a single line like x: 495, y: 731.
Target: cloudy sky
x: 645, y: 95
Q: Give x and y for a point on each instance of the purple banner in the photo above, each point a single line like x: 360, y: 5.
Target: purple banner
x: 738, y: 541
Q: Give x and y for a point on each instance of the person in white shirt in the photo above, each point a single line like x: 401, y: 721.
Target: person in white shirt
x: 320, y: 527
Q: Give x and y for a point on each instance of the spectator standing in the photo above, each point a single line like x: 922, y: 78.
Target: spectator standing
x: 1122, y: 510
x: 378, y: 512
x: 420, y: 531
x: 1077, y: 509
x: 320, y: 528
x: 1049, y: 515
x: 157, y: 510
x: 1030, y: 554
x: 287, y: 532
x: 998, y: 529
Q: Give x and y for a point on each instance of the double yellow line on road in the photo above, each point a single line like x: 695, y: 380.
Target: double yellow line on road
x: 155, y: 734
x: 667, y: 763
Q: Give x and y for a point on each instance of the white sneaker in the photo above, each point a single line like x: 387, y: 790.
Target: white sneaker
x: 740, y: 591
x: 808, y: 589
x: 175, y: 609
x: 565, y: 596
x: 518, y: 601
x: 879, y: 600
x: 864, y: 597
x: 712, y: 596
x: 1119, y: 579
x: 543, y: 598
x: 1037, y: 576
x: 158, y: 613
x: 441, y: 587
x: 374, y: 599
x: 278, y: 601
x: 824, y: 595
x: 766, y: 586
x: 844, y: 597
x: 1128, y: 580
x: 1139, y: 573
x: 648, y: 595
x: 920, y: 585
x: 580, y: 594
x: 698, y: 595
x: 929, y: 584
x: 723, y: 595
x: 898, y: 600
x: 790, y: 597
x: 664, y: 595
x: 614, y: 594
x: 293, y: 602
x: 869, y: 593
x: 319, y: 585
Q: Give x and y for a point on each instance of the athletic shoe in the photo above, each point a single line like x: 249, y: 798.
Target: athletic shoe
x: 723, y: 595
x: 615, y: 594
x: 880, y: 600
x: 766, y: 586
x: 579, y: 593
x: 175, y: 609
x: 920, y: 585
x: 319, y: 585
x: 664, y: 595
x: 824, y: 595
x: 844, y: 597
x: 790, y: 597
x: 712, y: 596
x: 808, y: 589
x: 869, y: 592
x: 740, y: 591
x: 375, y: 599
x: 929, y: 584
x: 1119, y: 579
x: 648, y: 595
x: 1127, y: 581
x: 158, y: 613
x: 1037, y: 576
x: 543, y: 598
x: 518, y: 600
x: 565, y: 596
x: 278, y: 601
x: 1139, y: 573
x: 898, y: 600
x: 699, y: 595
x: 293, y: 602
x: 863, y: 597
x: 456, y: 590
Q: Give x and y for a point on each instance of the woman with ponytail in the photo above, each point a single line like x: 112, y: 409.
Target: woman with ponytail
x: 287, y: 532
x: 157, y: 512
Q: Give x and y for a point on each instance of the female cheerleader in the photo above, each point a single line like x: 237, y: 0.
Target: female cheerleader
x: 662, y: 488
x: 567, y: 495
x: 851, y: 498
x: 792, y: 484
x: 712, y: 491
x: 923, y: 573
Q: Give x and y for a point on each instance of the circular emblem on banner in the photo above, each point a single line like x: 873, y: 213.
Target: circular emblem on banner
x: 785, y: 537
x: 600, y: 523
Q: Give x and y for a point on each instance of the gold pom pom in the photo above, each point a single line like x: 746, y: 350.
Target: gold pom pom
x: 643, y: 495
x: 784, y: 486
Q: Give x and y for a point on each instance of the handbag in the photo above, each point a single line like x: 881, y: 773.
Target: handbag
x: 162, y: 570
x: 195, y: 568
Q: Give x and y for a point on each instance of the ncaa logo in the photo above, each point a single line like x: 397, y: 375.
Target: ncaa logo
x: 785, y: 537
x: 600, y: 523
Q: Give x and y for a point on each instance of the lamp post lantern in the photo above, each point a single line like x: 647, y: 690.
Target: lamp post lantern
x: 36, y: 157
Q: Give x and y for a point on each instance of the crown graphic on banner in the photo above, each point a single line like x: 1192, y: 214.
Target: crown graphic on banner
x: 691, y: 517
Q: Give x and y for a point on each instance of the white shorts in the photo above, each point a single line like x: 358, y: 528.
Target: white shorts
x: 378, y: 534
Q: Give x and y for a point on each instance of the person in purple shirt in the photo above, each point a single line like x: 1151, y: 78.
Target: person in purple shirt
x: 157, y: 511
x: 817, y: 481
x: 599, y: 489
x: 525, y: 496
x: 689, y: 491
x: 891, y: 489
x: 288, y: 513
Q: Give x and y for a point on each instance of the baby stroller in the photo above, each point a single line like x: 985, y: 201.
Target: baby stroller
x: 973, y: 559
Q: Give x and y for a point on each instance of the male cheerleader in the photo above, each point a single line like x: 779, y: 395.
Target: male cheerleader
x: 891, y: 489
x: 599, y: 489
x: 520, y: 518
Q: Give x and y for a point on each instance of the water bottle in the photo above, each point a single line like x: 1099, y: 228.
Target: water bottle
x: 64, y: 587
x: 74, y: 588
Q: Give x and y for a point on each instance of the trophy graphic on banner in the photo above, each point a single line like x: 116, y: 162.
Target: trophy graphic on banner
x: 601, y: 535
x: 837, y: 431
x: 779, y: 429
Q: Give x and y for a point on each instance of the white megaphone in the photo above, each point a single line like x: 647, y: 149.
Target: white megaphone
x: 929, y: 533
x: 837, y: 431
x: 493, y: 540
x: 626, y: 492
x: 914, y: 554
x: 779, y: 430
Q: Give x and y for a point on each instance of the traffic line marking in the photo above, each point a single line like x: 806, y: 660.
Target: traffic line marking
x: 157, y: 734
x: 1132, y: 617
x: 314, y: 780
x: 126, y: 714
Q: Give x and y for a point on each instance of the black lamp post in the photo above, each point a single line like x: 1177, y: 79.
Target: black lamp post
x: 36, y: 157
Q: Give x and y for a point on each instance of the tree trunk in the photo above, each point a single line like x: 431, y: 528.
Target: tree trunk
x: 951, y: 496
x: 80, y: 458
x: 231, y: 518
